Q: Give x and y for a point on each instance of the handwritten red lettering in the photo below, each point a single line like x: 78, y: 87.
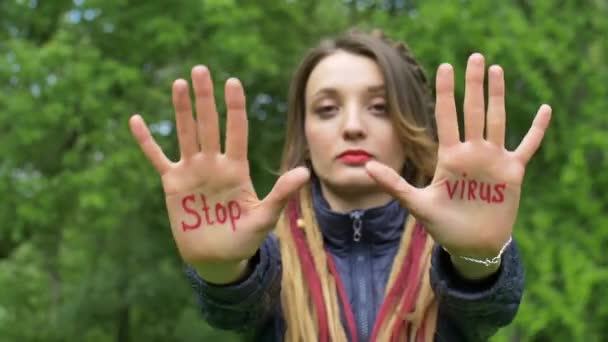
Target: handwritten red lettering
x: 206, y: 210
x: 451, y: 191
x: 222, y: 212
x: 500, y: 197
x: 462, y: 183
x: 235, y: 212
x: 485, y: 195
x: 472, y: 190
x: 190, y: 211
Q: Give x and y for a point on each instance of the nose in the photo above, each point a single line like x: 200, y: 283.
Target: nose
x: 353, y: 127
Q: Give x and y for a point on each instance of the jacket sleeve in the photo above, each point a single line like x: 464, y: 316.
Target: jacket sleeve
x: 244, y: 306
x: 476, y: 310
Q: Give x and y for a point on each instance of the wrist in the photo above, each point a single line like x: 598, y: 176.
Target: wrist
x: 471, y: 270
x: 223, y: 273
x: 474, y: 267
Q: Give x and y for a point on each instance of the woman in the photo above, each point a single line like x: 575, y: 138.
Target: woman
x: 380, y: 233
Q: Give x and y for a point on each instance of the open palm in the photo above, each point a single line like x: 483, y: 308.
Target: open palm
x: 471, y: 205
x: 215, y: 214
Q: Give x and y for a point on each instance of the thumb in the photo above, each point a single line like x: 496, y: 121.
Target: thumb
x: 286, y: 185
x: 391, y: 182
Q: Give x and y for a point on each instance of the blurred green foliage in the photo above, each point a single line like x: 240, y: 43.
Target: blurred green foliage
x: 86, y: 253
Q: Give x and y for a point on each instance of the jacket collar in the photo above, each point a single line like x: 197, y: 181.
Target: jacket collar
x: 379, y: 225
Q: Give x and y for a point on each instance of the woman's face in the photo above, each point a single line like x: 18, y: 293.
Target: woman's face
x: 346, y: 112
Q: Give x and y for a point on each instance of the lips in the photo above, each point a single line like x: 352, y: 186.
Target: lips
x: 355, y: 156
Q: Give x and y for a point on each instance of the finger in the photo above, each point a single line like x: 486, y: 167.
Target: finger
x: 206, y: 110
x: 186, y: 132
x: 392, y: 182
x: 533, y: 138
x: 445, y: 109
x: 286, y: 185
x: 474, y: 108
x: 496, y: 106
x: 147, y: 144
x: 236, y: 123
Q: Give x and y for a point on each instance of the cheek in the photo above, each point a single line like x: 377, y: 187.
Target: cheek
x: 316, y: 138
x: 319, y: 147
x: 395, y: 151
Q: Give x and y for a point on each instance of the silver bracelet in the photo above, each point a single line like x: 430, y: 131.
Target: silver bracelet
x: 487, y: 262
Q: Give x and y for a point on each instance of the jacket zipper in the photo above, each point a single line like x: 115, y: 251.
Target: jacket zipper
x: 357, y: 225
x: 360, y: 261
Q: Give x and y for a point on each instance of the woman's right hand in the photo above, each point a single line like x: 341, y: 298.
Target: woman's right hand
x: 217, y: 220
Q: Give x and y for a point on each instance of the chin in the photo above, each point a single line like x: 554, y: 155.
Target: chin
x: 355, y: 179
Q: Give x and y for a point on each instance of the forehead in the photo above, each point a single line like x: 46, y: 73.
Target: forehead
x: 344, y: 72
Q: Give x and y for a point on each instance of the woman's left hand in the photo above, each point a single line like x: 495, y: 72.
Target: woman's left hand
x: 471, y: 205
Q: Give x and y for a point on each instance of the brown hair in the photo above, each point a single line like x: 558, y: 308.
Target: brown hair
x: 309, y: 293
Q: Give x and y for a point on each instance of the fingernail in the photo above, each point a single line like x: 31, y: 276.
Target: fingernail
x: 445, y: 67
x: 476, y: 58
x: 180, y: 82
x: 497, y: 69
x: 200, y: 68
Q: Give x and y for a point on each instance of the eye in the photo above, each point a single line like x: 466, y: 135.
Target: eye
x: 326, y: 111
x: 378, y: 108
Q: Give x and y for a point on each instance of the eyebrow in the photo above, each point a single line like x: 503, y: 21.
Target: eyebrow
x: 376, y: 89
x: 332, y: 91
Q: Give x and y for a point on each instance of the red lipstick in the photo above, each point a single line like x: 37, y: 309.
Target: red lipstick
x: 355, y: 157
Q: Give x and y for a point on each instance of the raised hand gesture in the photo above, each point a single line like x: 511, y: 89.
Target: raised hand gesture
x: 471, y: 205
x: 216, y: 218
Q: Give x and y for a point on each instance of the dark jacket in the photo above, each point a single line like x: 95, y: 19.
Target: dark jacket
x: 468, y: 311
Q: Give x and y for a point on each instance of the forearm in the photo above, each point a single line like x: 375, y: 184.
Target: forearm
x: 242, y: 305
x: 479, y: 308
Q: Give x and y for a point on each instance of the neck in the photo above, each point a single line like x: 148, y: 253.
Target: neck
x: 343, y: 202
